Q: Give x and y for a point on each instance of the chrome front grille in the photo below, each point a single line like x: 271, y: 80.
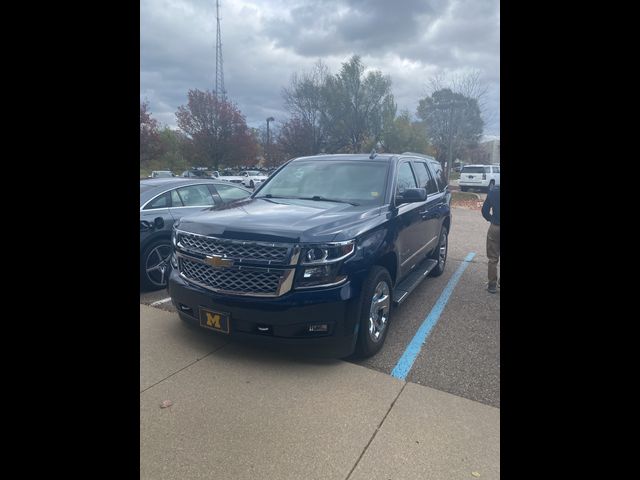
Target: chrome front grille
x: 234, y: 249
x: 242, y: 281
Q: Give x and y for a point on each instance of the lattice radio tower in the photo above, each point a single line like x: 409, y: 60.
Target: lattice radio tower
x: 221, y: 93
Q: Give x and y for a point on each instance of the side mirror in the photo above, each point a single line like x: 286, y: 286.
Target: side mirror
x: 158, y: 223
x: 412, y: 195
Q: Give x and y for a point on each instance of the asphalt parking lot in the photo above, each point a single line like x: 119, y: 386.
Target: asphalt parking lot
x: 462, y: 352
x: 239, y: 411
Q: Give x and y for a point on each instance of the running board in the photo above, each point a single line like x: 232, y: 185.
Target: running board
x: 406, y: 286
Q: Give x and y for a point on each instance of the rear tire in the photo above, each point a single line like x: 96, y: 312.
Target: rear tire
x: 375, y: 312
x: 440, y: 253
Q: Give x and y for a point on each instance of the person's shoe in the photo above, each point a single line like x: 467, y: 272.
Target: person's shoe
x: 492, y: 288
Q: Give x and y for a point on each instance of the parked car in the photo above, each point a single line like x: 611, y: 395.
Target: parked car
x: 250, y: 177
x: 164, y: 200
x: 479, y: 176
x: 196, y: 173
x: 317, y: 256
x: 161, y: 174
x: 232, y: 178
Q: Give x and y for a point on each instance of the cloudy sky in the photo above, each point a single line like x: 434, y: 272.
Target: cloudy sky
x: 265, y: 41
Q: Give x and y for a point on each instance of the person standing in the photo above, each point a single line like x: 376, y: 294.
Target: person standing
x: 491, y: 213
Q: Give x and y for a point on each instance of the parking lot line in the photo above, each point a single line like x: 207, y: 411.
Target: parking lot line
x: 160, y: 302
x: 403, y: 367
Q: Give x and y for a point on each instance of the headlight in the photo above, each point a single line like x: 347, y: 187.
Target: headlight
x: 174, y: 261
x: 321, y: 264
x: 327, y: 253
x: 173, y: 238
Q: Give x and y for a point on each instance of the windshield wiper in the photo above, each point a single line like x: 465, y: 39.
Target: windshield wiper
x: 268, y: 195
x: 324, y: 199
x: 315, y: 197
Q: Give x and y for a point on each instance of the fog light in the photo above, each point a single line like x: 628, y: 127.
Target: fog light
x: 323, y: 327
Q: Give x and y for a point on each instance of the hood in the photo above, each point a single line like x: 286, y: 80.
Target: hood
x: 283, y: 220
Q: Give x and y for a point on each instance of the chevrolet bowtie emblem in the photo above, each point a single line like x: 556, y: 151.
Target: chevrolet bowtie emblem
x: 217, y: 261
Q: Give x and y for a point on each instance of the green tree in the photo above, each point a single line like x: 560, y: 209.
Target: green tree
x: 355, y: 107
x: 404, y: 135
x: 453, y: 123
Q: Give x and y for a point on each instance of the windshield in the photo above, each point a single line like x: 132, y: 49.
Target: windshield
x: 253, y: 173
x: 475, y: 170
x: 362, y: 182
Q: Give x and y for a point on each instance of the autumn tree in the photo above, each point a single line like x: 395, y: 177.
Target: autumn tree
x: 150, y: 144
x: 217, y: 129
x: 296, y: 138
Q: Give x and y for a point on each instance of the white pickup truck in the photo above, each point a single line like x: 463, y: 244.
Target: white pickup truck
x: 253, y: 178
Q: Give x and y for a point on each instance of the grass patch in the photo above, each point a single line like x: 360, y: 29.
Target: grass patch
x: 463, y: 196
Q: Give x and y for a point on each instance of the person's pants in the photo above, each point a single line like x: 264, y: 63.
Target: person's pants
x: 493, y: 252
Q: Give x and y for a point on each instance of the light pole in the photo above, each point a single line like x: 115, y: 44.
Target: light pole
x: 270, y: 119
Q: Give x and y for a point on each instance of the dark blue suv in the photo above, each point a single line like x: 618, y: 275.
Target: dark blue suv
x: 317, y: 256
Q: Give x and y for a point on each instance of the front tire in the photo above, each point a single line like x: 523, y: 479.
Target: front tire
x: 252, y: 185
x: 440, y: 253
x: 155, y: 265
x: 375, y: 312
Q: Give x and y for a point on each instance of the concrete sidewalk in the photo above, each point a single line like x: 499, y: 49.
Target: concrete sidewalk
x: 244, y: 413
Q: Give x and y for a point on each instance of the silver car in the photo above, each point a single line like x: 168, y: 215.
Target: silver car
x: 162, y: 202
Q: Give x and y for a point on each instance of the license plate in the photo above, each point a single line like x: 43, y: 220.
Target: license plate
x: 218, y: 321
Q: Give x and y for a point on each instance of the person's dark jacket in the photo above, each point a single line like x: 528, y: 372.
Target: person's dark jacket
x: 491, y: 206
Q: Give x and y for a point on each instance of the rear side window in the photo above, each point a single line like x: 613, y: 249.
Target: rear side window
x: 496, y: 169
x: 195, y: 196
x: 439, y: 174
x: 163, y: 201
x: 405, y: 178
x: 425, y: 180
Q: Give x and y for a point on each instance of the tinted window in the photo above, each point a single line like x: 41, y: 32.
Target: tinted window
x: 439, y: 174
x: 425, y: 180
x: 405, y: 178
x: 473, y: 170
x: 163, y: 201
x: 195, y: 196
x: 229, y: 193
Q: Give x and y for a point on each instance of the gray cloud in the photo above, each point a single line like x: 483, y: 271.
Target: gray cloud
x: 265, y: 41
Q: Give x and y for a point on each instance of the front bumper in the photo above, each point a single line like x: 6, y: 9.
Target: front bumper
x: 283, y: 321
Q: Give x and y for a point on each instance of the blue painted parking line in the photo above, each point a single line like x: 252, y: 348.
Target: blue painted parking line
x: 403, y: 367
